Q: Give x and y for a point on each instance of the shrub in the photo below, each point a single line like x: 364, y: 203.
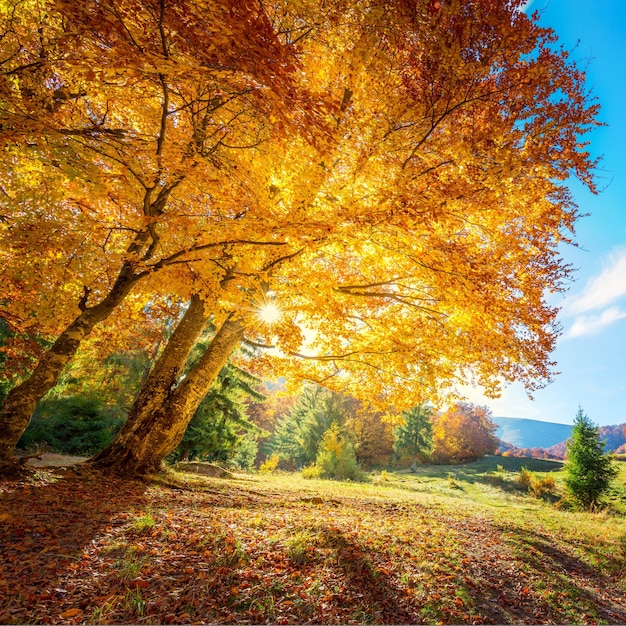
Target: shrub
x: 536, y: 485
x: 311, y: 471
x: 270, y: 464
x: 73, y: 425
x: 336, y: 458
x: 525, y: 478
x: 383, y: 477
x: 540, y: 487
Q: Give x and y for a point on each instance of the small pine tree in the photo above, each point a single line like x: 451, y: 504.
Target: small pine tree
x: 589, y: 470
x: 415, y: 435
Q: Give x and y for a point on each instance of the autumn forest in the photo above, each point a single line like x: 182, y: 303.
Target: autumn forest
x: 270, y: 242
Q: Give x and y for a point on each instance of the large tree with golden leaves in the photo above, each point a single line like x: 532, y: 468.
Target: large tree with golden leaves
x: 126, y: 129
x: 414, y: 239
x: 445, y: 202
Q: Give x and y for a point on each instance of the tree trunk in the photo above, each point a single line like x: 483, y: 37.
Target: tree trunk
x: 141, y: 448
x: 162, y: 380
x: 21, y: 401
x: 166, y: 373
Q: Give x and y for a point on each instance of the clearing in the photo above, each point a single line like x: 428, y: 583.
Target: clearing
x: 453, y: 545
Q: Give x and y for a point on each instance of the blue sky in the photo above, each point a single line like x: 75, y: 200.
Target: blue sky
x: 591, y: 354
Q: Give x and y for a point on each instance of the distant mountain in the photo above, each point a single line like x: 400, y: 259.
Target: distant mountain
x: 525, y: 433
x: 614, y: 438
x: 524, y: 437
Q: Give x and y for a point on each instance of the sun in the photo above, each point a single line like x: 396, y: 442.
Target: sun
x: 270, y: 313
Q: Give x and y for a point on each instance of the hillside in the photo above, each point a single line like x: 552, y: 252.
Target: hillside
x: 614, y: 438
x: 532, y: 438
x: 527, y: 433
x: 452, y: 544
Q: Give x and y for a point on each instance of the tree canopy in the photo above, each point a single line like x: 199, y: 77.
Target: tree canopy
x: 392, y: 174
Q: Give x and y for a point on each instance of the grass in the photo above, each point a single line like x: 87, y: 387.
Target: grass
x: 143, y: 523
x: 446, y: 544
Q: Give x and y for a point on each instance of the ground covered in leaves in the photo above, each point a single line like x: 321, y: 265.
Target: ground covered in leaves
x: 77, y: 547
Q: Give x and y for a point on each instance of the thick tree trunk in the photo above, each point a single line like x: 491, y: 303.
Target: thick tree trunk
x: 160, y: 383
x: 141, y: 448
x: 21, y: 401
x: 167, y: 371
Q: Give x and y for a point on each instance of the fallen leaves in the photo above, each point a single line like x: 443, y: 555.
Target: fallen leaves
x: 239, y: 554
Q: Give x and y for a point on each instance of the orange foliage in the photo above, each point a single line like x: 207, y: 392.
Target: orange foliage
x: 394, y: 172
x: 463, y: 433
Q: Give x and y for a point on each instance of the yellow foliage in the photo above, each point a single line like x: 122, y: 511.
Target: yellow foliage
x: 269, y: 465
x: 405, y: 202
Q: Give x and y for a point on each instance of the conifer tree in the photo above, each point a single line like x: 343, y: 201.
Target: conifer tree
x: 415, y: 435
x: 221, y: 425
x: 589, y: 469
x: 300, y: 433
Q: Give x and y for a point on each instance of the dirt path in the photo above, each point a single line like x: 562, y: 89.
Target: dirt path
x: 51, y: 459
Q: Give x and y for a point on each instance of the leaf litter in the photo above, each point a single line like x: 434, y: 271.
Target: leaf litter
x: 83, y: 548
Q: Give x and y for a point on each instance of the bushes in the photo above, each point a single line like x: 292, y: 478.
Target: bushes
x: 336, y: 458
x: 270, y: 464
x: 536, y: 485
x: 73, y: 425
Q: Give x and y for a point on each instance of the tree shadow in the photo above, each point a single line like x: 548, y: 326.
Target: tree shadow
x: 568, y: 578
x: 46, y: 524
x: 369, y: 593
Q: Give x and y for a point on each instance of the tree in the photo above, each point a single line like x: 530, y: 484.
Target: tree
x: 415, y: 239
x: 440, y: 201
x: 126, y: 145
x: 79, y: 424
x: 372, y: 432
x: 336, y: 458
x: 463, y: 433
x: 299, y: 434
x: 221, y: 422
x: 589, y: 470
x: 270, y: 413
x: 415, y: 435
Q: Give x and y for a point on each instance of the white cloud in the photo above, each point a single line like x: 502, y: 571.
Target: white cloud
x: 597, y: 306
x: 526, y: 6
x: 604, y: 288
x: 591, y: 324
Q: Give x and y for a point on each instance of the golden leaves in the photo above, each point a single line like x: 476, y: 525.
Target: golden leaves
x: 394, y: 178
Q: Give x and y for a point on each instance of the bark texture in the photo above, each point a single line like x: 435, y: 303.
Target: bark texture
x: 167, y: 371
x: 140, y: 447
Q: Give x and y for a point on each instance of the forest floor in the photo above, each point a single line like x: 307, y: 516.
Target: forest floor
x: 451, y: 546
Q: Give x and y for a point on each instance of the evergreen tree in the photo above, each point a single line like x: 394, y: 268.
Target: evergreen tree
x: 415, y: 435
x: 589, y: 470
x: 221, y: 425
x: 78, y: 424
x: 299, y: 434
